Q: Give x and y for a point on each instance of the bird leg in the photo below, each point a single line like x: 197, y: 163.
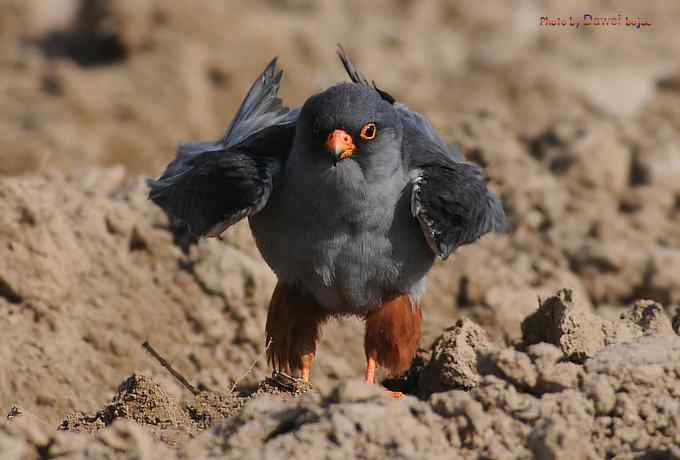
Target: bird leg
x: 392, y: 336
x: 306, y: 360
x: 370, y: 368
x: 292, y: 330
x: 370, y: 376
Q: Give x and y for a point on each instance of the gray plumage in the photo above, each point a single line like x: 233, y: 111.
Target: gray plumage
x: 352, y: 233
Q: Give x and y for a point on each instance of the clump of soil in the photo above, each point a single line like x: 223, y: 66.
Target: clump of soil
x: 138, y: 398
x: 580, y: 334
x: 454, y: 359
x: 141, y: 399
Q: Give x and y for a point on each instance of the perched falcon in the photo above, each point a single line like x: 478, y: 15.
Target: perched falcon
x: 350, y: 199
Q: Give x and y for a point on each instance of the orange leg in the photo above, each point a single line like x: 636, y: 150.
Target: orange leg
x: 306, y: 366
x: 292, y: 331
x: 370, y: 376
x: 392, y: 336
x: 370, y: 369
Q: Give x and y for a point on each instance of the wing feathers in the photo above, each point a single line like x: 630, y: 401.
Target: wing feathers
x: 260, y: 108
x: 211, y: 185
x: 449, y: 197
x: 453, y: 205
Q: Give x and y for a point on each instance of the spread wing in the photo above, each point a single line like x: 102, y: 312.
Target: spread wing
x: 212, y: 185
x: 449, y: 197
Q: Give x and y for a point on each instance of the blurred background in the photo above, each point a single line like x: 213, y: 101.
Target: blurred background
x: 104, y: 82
x: 577, y: 129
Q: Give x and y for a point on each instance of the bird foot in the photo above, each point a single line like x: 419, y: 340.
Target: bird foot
x: 285, y: 382
x: 370, y: 378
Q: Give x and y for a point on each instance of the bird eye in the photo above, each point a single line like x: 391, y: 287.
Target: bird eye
x: 369, y: 131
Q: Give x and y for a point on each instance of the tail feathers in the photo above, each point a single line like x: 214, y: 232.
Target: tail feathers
x: 261, y: 107
x: 353, y: 72
x: 357, y: 77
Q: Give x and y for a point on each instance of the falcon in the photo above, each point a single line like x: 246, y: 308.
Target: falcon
x: 350, y: 199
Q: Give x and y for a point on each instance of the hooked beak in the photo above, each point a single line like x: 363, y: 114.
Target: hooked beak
x: 340, y: 144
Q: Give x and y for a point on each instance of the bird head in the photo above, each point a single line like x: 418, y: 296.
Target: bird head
x: 350, y: 123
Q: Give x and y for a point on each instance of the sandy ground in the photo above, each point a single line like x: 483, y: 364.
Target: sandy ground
x: 557, y: 340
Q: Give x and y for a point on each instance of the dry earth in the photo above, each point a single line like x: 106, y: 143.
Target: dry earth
x: 556, y: 340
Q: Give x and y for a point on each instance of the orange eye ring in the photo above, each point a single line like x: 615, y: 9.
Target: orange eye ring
x: 369, y: 131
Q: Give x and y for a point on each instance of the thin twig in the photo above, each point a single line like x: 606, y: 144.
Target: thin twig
x: 252, y: 366
x: 180, y: 378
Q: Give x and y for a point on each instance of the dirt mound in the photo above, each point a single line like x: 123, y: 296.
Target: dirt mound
x: 141, y: 399
x: 580, y: 334
x: 490, y: 402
